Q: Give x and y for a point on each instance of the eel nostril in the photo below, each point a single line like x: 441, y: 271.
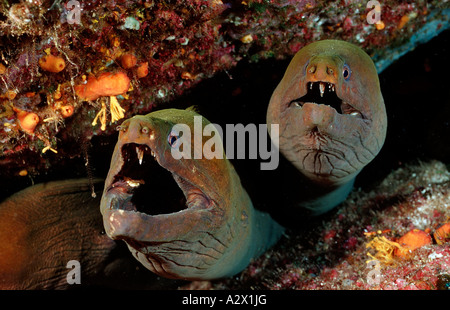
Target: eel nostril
x: 121, y: 128
x: 312, y: 69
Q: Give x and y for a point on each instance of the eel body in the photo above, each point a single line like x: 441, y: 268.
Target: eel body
x: 332, y: 119
x: 181, y: 218
x: 46, y: 228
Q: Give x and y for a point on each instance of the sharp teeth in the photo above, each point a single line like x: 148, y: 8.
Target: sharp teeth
x: 332, y: 87
x: 140, y: 155
x: 322, y: 88
x: 153, y: 153
x: 310, y: 85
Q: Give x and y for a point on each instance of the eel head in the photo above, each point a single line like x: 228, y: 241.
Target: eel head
x: 330, y: 111
x: 171, y: 212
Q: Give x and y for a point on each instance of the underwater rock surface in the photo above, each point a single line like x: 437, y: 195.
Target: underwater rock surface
x: 337, y: 251
x: 49, y: 49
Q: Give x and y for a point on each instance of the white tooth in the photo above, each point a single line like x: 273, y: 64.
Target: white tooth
x: 310, y: 85
x: 140, y: 155
x: 153, y: 153
x: 332, y: 87
x: 132, y: 183
x: 322, y: 88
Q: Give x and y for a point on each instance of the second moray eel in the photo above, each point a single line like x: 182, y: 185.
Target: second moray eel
x: 181, y: 218
x: 332, y: 119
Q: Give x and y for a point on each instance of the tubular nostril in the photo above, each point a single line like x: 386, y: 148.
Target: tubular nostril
x: 330, y: 71
x: 145, y: 130
x: 121, y: 128
x: 312, y: 69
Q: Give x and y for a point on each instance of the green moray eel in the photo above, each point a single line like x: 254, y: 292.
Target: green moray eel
x: 181, y: 218
x: 332, y: 119
x: 46, y: 226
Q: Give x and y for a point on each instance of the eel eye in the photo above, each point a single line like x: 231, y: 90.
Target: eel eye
x: 306, y: 66
x: 173, y: 138
x: 346, y: 72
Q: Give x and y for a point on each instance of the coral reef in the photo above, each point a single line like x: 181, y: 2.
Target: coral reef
x: 48, y: 48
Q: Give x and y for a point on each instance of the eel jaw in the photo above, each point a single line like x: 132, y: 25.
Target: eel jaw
x: 325, y: 93
x: 143, y: 187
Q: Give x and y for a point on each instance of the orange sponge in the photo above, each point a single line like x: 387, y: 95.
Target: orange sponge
x: 142, y: 70
x: 67, y: 111
x: 442, y: 234
x: 128, y: 61
x: 411, y: 241
x: 27, y: 120
x: 52, y: 63
x: 106, y: 84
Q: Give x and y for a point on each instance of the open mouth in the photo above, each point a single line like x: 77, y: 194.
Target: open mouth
x: 325, y: 93
x: 143, y: 185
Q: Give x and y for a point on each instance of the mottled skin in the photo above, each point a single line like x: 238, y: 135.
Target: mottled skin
x: 329, y: 138
x: 45, y: 226
x: 215, y: 233
x: 39, y: 235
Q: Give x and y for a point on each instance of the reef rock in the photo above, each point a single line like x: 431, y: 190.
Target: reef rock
x: 175, y: 45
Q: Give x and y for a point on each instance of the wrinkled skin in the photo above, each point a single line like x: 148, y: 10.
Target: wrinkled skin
x: 332, y: 118
x: 45, y: 226
x: 181, y: 218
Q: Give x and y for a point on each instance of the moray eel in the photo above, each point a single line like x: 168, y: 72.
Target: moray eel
x: 181, y: 218
x: 45, y: 226
x: 332, y: 119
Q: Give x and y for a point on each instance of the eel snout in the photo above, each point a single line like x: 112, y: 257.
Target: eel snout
x: 323, y: 78
x: 142, y: 184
